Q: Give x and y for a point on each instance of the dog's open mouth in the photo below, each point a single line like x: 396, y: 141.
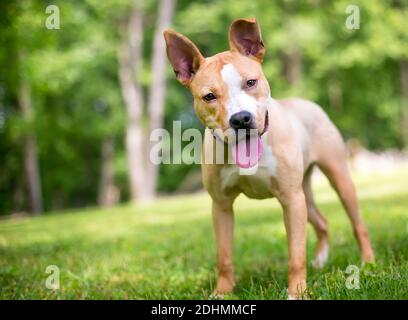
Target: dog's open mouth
x: 247, y: 152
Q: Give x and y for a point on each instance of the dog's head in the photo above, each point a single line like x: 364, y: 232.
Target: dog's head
x: 230, y: 90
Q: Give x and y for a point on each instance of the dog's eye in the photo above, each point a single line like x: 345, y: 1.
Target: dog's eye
x: 251, y: 83
x: 209, y: 97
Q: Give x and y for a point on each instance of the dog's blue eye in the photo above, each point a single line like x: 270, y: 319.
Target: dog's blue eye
x: 251, y: 83
x: 209, y: 97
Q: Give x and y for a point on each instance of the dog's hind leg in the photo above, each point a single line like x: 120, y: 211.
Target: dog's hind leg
x: 339, y: 177
x: 318, y: 222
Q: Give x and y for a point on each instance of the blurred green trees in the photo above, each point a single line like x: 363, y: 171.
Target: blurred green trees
x: 360, y: 77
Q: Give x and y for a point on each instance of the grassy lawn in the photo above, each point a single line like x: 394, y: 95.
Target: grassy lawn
x: 166, y: 250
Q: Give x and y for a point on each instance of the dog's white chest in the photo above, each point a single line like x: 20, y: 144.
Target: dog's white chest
x: 257, y: 185
x: 254, y: 182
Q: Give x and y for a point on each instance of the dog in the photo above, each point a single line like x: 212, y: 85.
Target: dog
x: 292, y: 136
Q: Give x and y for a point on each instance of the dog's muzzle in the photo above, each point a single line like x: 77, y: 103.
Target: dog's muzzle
x: 247, y: 123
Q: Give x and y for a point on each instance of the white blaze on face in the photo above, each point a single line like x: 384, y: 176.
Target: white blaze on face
x: 245, y: 152
x: 238, y: 99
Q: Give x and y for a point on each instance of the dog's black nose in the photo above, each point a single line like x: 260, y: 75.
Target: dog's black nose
x: 241, y: 120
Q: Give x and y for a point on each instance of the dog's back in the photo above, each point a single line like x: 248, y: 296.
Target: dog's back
x: 319, y: 136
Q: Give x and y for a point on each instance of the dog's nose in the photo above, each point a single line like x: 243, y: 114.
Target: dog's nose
x: 241, y: 120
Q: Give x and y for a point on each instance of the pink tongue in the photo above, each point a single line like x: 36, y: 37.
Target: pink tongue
x: 247, y: 152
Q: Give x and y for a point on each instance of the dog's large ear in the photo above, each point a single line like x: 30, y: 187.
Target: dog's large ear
x: 184, y: 56
x: 245, y: 37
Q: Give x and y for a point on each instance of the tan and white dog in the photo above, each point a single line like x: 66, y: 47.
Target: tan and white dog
x: 231, y: 91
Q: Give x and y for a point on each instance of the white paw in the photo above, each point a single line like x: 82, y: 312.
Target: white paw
x: 291, y: 297
x: 321, y: 257
x: 216, y: 296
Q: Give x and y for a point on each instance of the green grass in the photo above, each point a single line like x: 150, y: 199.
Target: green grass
x: 166, y: 250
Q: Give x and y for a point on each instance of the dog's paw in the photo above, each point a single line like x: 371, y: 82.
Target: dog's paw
x: 224, y: 286
x: 216, y: 296
x: 302, y: 296
x: 321, y: 258
x: 368, y: 258
x: 318, y: 263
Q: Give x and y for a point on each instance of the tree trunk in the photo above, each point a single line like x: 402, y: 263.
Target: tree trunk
x: 30, y: 151
x: 404, y: 91
x: 108, y: 193
x: 294, y: 60
x: 293, y: 67
x: 142, y: 173
x: 335, y: 92
x: 130, y: 65
x: 158, y: 86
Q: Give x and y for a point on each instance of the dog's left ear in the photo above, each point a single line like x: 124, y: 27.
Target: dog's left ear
x: 245, y: 37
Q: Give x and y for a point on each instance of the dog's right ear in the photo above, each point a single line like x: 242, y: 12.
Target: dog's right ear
x: 184, y: 56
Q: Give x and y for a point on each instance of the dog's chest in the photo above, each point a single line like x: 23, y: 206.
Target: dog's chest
x: 256, y: 183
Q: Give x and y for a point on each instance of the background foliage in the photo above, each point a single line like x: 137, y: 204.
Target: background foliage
x: 73, y: 74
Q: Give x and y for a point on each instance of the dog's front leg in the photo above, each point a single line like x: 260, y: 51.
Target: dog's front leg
x: 223, y: 218
x: 295, y: 217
